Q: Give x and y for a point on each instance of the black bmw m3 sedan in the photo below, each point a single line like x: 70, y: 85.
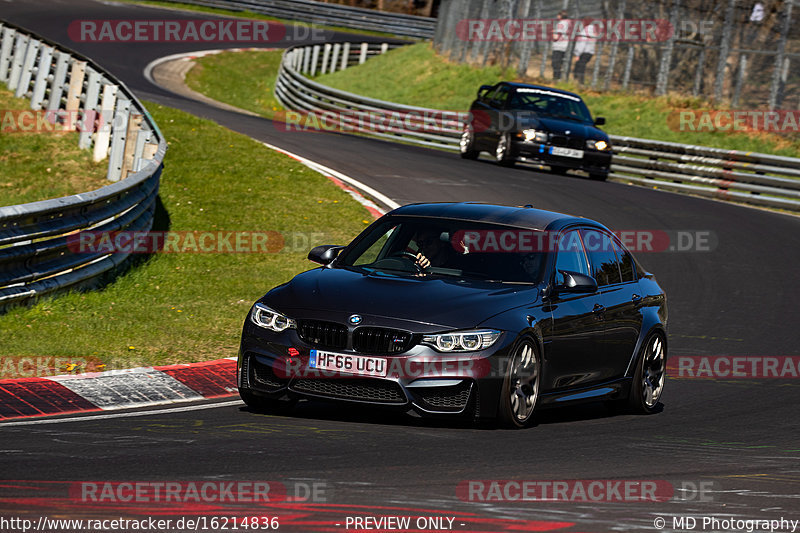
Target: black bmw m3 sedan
x: 462, y: 309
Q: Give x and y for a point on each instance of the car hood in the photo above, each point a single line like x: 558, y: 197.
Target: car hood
x: 382, y: 298
x: 561, y: 127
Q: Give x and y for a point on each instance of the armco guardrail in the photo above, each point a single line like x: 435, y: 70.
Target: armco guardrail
x: 753, y: 178
x: 351, y: 112
x: 69, y: 92
x: 330, y: 15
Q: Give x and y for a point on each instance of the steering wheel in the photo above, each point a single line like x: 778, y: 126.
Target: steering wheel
x: 410, y: 257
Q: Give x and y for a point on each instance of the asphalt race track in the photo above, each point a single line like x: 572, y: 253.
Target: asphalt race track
x: 740, y: 438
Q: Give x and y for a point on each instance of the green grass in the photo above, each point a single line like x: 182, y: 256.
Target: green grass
x: 41, y: 165
x: 220, y: 76
x: 415, y: 75
x: 185, y: 307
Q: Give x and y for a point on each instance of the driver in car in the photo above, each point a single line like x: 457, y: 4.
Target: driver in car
x: 432, y: 250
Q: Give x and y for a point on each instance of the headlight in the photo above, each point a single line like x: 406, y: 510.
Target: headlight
x: 462, y: 341
x: 534, y: 135
x: 597, y: 145
x: 263, y: 316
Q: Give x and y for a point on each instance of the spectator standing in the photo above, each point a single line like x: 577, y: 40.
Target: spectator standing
x: 585, y: 44
x: 560, y: 41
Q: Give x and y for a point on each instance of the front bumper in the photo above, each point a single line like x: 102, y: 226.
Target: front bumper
x: 419, y: 379
x: 591, y: 161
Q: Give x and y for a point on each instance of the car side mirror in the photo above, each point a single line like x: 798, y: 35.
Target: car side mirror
x: 577, y: 282
x: 599, y: 121
x: 325, y: 254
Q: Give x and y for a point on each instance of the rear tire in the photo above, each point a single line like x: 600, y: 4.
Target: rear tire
x: 649, y: 377
x: 520, y: 386
x: 467, y: 143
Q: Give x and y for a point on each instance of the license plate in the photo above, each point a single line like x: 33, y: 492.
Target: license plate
x: 566, y: 152
x: 349, y: 364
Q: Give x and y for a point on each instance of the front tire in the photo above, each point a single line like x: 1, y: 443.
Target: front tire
x: 502, y: 153
x: 467, y: 143
x: 649, y: 377
x: 520, y: 386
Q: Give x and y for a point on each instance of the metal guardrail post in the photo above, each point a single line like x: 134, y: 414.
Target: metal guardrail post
x: 6, y: 47
x: 306, y: 59
x: 108, y: 109
x: 42, y: 75
x: 335, y: 56
x: 26, y: 73
x: 134, y: 127
x: 314, y: 59
x: 119, y: 133
x: 363, y: 57
x: 142, y: 139
x: 20, y: 47
x: 76, y: 78
x: 326, y: 54
x: 345, y: 56
x: 87, y: 123
x: 58, y: 81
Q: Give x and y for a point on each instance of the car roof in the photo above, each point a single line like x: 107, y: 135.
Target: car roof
x: 521, y: 217
x: 517, y: 85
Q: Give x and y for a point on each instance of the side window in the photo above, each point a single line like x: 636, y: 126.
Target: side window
x: 570, y: 256
x: 486, y: 95
x: 626, y: 265
x: 500, y: 96
x: 600, y: 248
x: 374, y: 252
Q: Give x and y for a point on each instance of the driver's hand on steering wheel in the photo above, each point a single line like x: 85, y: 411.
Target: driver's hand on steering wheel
x: 423, y: 261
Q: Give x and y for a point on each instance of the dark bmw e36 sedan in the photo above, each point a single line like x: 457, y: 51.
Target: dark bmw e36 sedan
x: 520, y: 122
x: 462, y: 309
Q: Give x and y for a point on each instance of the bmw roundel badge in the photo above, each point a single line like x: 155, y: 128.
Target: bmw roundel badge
x: 355, y: 319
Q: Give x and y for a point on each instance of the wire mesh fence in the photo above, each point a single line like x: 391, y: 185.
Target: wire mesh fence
x: 744, y: 52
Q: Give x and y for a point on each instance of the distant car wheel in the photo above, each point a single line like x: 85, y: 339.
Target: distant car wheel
x: 467, y: 143
x: 520, y: 386
x: 503, y: 152
x: 599, y: 176
x: 651, y: 372
x: 263, y: 404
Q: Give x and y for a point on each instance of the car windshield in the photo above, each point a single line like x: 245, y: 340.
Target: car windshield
x: 551, y: 104
x: 424, y: 247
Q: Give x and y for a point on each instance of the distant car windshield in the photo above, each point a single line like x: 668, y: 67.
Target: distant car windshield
x: 455, y: 249
x: 550, y: 103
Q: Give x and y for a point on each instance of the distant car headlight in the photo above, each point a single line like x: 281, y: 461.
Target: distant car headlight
x: 597, y: 145
x: 462, y: 341
x: 263, y: 316
x: 534, y: 135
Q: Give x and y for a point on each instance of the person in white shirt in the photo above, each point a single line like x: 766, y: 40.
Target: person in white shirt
x: 560, y: 42
x: 585, y: 44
